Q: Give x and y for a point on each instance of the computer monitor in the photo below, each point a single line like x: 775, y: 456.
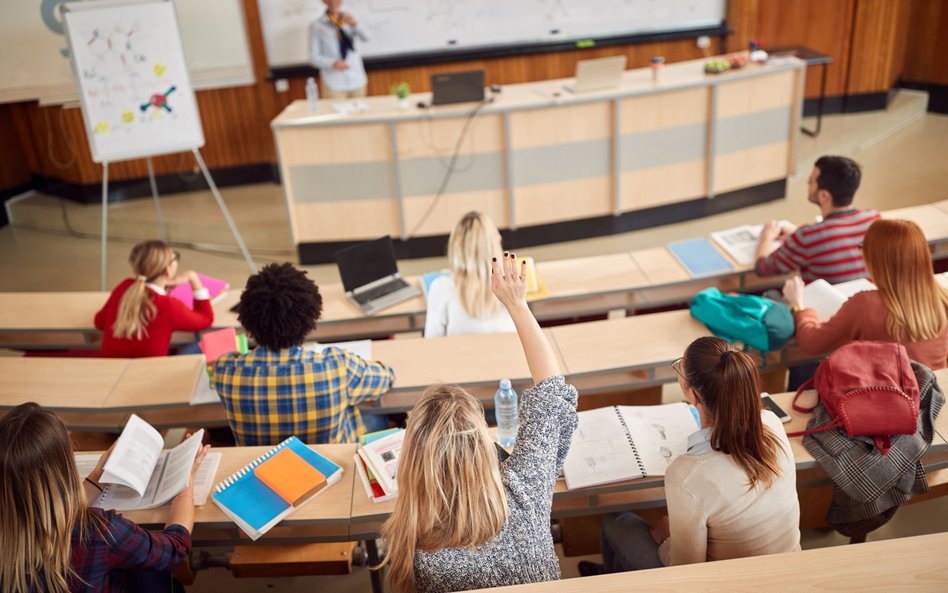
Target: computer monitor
x: 457, y: 87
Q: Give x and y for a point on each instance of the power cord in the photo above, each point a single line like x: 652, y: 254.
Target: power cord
x: 450, y: 169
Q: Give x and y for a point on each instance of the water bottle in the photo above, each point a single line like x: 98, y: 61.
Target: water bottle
x: 505, y: 410
x: 312, y: 95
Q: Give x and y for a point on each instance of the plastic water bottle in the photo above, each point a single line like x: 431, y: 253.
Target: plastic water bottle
x: 312, y: 95
x: 505, y: 410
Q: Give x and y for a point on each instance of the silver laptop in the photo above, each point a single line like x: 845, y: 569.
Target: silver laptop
x: 594, y: 75
x: 370, y: 276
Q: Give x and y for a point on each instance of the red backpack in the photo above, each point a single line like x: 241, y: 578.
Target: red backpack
x: 867, y: 388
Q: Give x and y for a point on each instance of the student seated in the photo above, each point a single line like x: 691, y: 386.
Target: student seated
x: 461, y: 303
x: 278, y: 390
x: 139, y: 317
x: 461, y: 520
x: 908, y: 305
x: 52, y: 540
x: 733, y: 493
x: 828, y: 249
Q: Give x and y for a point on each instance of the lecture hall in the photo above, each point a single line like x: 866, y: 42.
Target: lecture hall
x: 530, y: 295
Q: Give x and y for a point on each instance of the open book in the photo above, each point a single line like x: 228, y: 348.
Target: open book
x: 826, y: 299
x: 741, y: 242
x: 381, y: 460
x: 140, y: 475
x: 625, y: 442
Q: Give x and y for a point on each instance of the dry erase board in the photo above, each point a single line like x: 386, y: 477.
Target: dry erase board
x: 416, y: 27
x: 133, y: 82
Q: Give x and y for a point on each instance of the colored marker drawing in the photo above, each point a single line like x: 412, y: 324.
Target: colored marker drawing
x: 159, y: 101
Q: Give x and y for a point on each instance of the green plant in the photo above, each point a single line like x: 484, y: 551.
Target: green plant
x: 401, y: 90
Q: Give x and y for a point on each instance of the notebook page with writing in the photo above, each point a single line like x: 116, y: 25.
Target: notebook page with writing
x: 660, y: 433
x: 601, y: 451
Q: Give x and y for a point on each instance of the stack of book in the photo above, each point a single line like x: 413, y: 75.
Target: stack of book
x: 376, y: 462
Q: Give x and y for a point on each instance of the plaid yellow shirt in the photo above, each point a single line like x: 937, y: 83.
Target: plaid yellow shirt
x: 270, y: 396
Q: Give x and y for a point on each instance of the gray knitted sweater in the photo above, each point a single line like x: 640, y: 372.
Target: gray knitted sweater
x: 523, y: 550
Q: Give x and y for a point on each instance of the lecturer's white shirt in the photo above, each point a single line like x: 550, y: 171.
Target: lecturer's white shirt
x: 446, y: 315
x: 324, y: 52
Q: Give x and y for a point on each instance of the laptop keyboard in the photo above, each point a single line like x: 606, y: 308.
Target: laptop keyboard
x: 380, y: 291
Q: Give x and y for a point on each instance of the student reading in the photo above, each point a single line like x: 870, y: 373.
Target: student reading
x: 461, y: 520
x: 733, y: 493
x: 461, y: 303
x: 139, y: 317
x: 908, y: 305
x: 53, y: 541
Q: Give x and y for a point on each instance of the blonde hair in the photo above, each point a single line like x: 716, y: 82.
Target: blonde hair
x: 899, y: 261
x: 473, y: 242
x: 450, y: 493
x: 149, y: 260
x: 42, y: 501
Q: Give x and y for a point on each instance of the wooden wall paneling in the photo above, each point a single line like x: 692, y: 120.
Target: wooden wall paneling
x: 743, y: 18
x: 875, y: 59
x: 940, y: 70
x: 14, y: 168
x: 924, y: 20
x: 823, y: 25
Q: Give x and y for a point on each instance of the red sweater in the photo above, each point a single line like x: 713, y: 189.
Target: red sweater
x: 171, y: 315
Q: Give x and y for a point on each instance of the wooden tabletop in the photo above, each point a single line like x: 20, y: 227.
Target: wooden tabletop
x: 906, y: 564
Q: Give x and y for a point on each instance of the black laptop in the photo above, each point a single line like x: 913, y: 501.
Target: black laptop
x: 457, y: 87
x: 370, y: 276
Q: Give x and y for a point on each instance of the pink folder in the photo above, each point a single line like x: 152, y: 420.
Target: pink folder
x: 214, y: 286
x: 218, y: 343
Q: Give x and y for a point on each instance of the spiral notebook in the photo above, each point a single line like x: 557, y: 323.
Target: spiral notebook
x: 626, y: 442
x: 253, y: 506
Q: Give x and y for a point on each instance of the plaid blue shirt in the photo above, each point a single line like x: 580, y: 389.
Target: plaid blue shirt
x: 270, y: 396
x: 115, y: 546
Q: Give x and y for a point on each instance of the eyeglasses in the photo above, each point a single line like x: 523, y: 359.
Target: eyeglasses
x: 676, y: 364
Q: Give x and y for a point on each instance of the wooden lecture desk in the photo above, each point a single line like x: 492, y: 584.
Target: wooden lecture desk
x: 541, y: 162
x: 631, y: 281
x: 914, y: 564
x: 597, y: 357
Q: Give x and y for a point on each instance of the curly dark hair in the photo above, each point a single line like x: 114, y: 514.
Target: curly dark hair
x: 279, y: 306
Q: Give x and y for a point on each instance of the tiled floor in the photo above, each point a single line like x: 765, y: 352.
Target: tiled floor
x: 53, y: 246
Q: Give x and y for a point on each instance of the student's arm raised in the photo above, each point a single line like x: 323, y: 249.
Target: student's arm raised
x: 547, y: 410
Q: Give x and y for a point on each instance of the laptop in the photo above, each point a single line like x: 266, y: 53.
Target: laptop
x: 370, y: 276
x: 457, y: 87
x: 601, y: 73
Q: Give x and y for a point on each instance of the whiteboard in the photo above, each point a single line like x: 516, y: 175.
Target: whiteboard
x: 133, y: 81
x: 407, y: 27
x: 34, y: 55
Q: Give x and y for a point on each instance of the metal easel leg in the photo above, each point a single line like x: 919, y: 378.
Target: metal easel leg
x: 224, y: 211
x: 105, y: 219
x: 162, y: 232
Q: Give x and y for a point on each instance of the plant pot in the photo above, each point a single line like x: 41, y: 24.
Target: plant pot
x: 404, y: 103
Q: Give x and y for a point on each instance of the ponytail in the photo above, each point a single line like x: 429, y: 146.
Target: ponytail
x: 728, y: 386
x: 148, y: 259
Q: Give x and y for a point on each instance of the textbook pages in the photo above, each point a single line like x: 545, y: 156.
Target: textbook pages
x: 826, y: 299
x: 626, y: 442
x: 140, y: 475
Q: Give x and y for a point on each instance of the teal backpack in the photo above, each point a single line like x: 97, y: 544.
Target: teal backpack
x: 755, y: 321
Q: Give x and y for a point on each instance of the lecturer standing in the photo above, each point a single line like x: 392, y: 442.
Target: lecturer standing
x: 332, y: 49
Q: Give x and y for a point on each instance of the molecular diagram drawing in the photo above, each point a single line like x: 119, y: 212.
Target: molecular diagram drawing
x: 159, y: 101
x: 117, y: 43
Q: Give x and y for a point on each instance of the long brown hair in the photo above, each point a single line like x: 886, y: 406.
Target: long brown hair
x: 42, y: 502
x: 472, y: 244
x: 149, y: 260
x: 450, y: 494
x: 728, y: 387
x: 900, y: 264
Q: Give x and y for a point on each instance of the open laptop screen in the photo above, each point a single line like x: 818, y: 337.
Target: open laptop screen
x: 366, y: 262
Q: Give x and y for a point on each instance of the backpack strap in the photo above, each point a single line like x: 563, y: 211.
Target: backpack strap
x: 800, y: 433
x: 801, y: 408
x: 883, y: 443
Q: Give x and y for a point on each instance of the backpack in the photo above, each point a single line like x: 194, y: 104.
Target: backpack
x: 755, y: 321
x: 868, y: 389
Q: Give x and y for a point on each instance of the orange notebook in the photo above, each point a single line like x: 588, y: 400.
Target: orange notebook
x: 290, y: 476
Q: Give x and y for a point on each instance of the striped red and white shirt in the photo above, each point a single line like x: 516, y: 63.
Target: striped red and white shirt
x: 828, y: 249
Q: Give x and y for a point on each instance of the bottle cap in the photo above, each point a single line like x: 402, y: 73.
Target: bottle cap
x: 505, y: 383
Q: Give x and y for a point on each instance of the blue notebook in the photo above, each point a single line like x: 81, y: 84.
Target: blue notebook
x: 699, y: 257
x: 252, y: 505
